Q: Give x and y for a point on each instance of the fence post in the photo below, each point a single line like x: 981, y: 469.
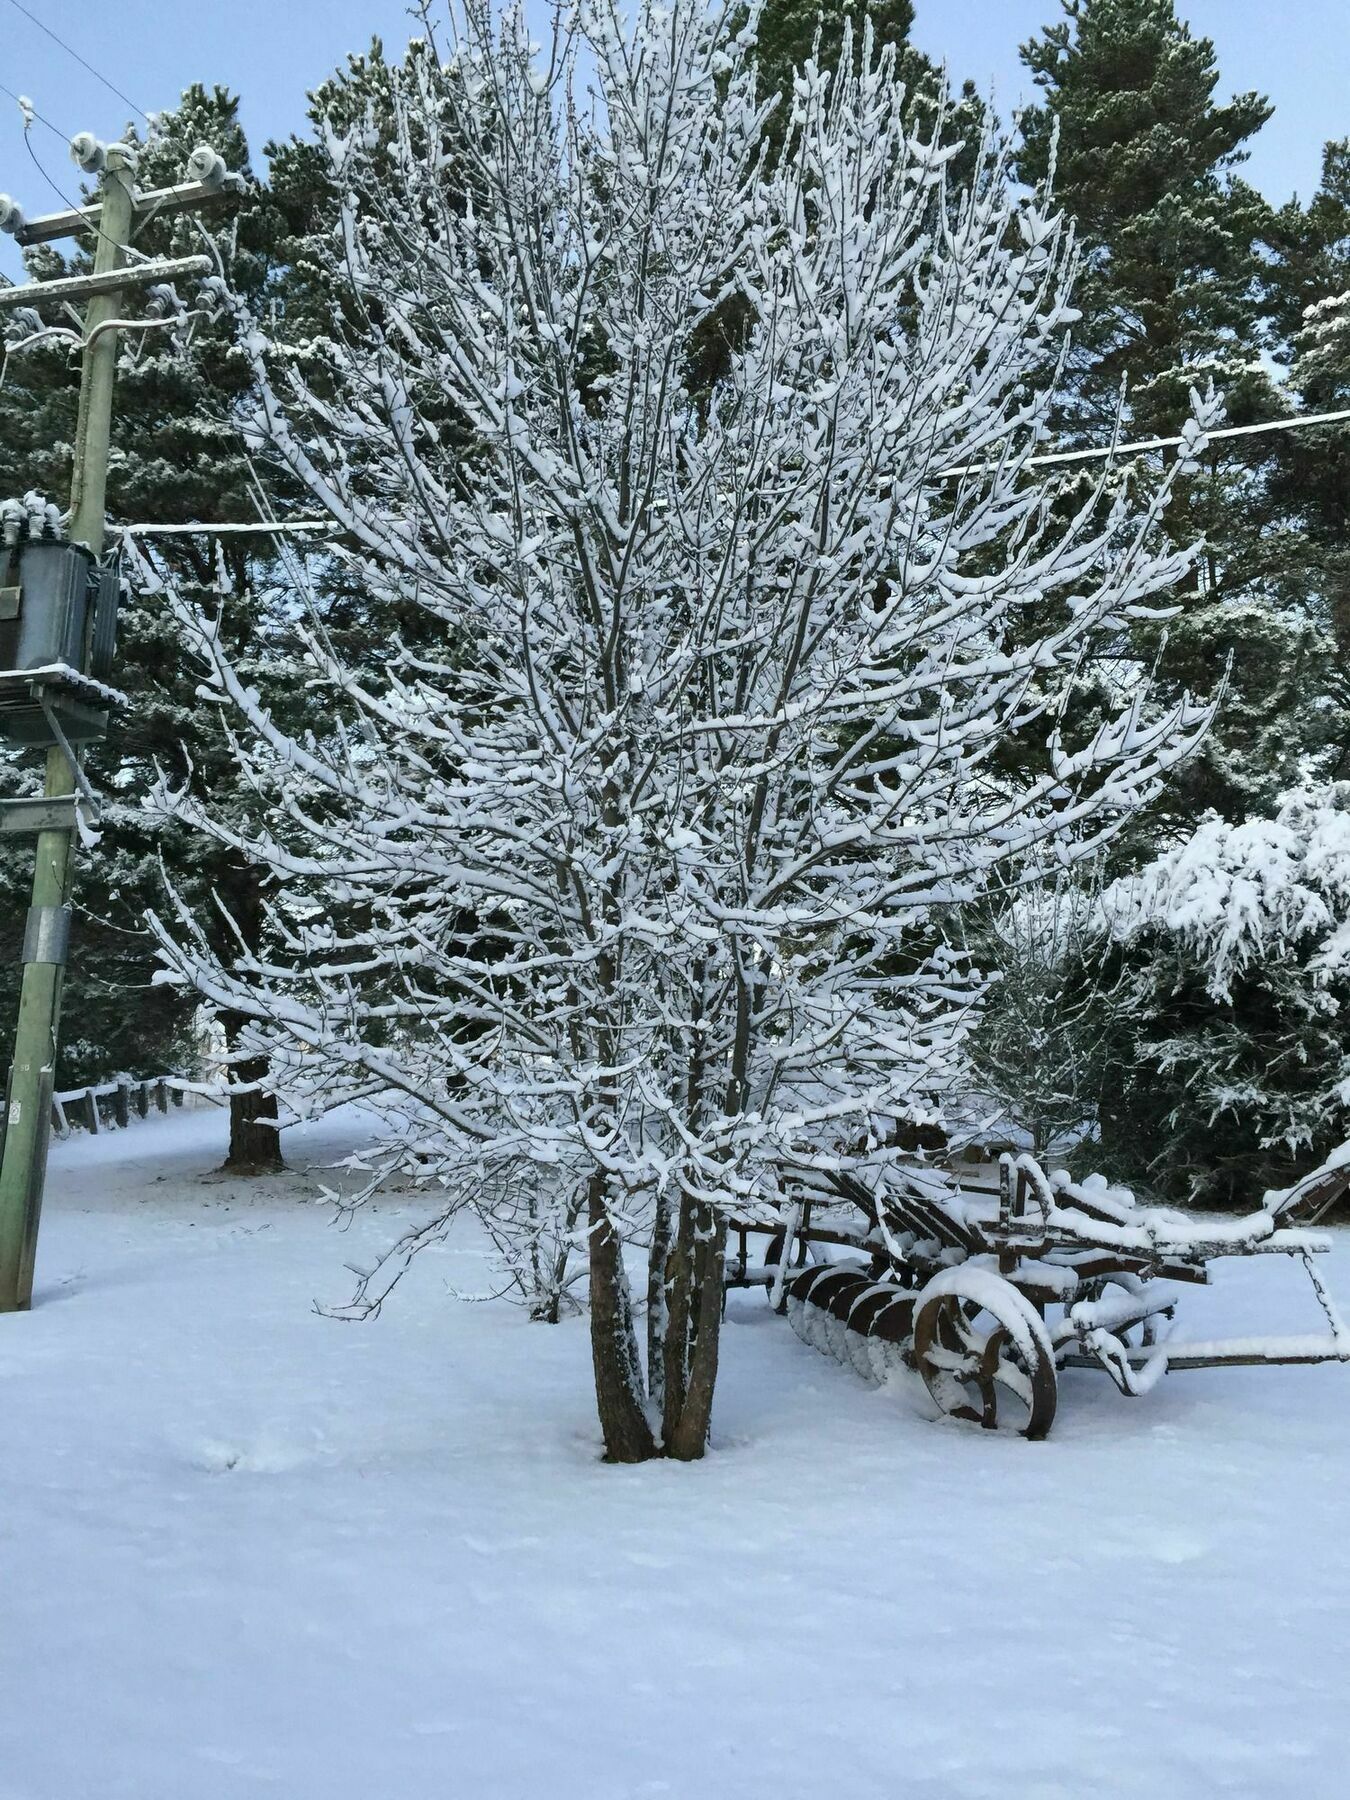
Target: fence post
x: 95, y: 1123
x: 143, y: 1099
x: 162, y: 1095
x: 122, y: 1102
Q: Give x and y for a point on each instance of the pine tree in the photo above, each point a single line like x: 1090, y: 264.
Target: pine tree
x: 1233, y: 947
x: 1176, y: 293
x: 1238, y: 1044
x: 1145, y: 161
x: 1311, y: 287
x: 1180, y: 288
x: 789, y: 30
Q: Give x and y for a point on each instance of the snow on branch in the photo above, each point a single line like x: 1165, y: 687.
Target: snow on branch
x: 620, y: 868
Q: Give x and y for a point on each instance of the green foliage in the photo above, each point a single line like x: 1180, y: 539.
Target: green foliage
x: 1224, y: 1099
x: 1234, y: 948
x: 1311, y: 315
x: 1041, y: 1049
x: 1145, y: 161
x: 1189, y: 276
x: 177, y: 456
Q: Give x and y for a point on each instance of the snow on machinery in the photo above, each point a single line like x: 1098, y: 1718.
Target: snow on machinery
x: 989, y: 1291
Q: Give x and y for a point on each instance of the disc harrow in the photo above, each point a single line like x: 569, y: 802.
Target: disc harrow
x: 988, y: 1292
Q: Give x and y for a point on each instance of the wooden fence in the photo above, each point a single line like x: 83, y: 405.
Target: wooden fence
x: 112, y: 1105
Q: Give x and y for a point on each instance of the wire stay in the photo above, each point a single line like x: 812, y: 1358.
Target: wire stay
x: 285, y: 527
x: 83, y: 62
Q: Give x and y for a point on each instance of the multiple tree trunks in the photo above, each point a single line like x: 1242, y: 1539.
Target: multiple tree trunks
x: 668, y: 1413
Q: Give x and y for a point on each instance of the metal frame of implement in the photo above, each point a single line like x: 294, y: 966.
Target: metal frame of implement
x: 988, y: 1292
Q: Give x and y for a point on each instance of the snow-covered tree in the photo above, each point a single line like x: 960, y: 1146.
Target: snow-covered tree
x: 1147, y: 160
x: 617, y: 894
x: 1238, y: 947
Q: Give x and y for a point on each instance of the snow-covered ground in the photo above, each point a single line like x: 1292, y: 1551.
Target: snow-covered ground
x: 248, y: 1550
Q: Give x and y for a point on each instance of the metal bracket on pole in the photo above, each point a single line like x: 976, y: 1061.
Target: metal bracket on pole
x: 38, y: 814
x: 46, y: 937
x: 77, y: 774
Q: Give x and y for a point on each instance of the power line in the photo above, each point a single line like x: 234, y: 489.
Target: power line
x: 72, y: 205
x: 1146, y: 444
x: 286, y: 526
x: 96, y: 73
x: 67, y: 202
x: 38, y: 165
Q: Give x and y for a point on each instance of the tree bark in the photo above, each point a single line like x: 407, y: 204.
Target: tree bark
x: 678, y: 1298
x: 255, y: 1143
x: 686, y: 1430
x: 614, y: 1353
x: 657, y: 1322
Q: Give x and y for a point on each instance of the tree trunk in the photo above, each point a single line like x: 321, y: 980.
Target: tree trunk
x: 614, y: 1353
x: 255, y: 1143
x: 686, y: 1431
x: 694, y: 1327
x: 657, y: 1319
x: 677, y: 1303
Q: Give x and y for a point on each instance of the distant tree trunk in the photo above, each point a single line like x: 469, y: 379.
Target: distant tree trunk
x: 255, y: 1143
x: 663, y: 1238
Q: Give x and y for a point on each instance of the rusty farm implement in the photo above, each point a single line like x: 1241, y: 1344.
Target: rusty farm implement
x: 988, y: 1291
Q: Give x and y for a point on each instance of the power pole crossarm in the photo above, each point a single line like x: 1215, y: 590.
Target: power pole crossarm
x: 108, y: 281
x: 188, y: 196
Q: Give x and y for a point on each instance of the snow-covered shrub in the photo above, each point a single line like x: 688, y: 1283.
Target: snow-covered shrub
x: 616, y: 887
x: 1237, y: 946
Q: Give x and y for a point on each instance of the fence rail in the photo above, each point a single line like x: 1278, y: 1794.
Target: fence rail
x: 111, y: 1105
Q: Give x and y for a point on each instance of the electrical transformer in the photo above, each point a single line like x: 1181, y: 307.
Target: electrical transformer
x: 58, y: 623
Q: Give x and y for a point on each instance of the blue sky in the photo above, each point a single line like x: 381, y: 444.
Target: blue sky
x: 271, y: 51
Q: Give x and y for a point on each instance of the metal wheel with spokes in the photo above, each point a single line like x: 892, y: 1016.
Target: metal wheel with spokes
x: 984, y: 1353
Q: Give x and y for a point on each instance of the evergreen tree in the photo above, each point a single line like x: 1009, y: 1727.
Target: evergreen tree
x: 176, y: 457
x: 788, y: 31
x: 1175, y: 294
x: 1238, y: 1061
x: 1185, y: 272
x: 1145, y: 161
x: 1233, y: 950
x: 788, y: 34
x: 1311, y: 289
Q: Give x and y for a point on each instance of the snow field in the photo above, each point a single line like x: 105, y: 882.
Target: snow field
x: 246, y: 1550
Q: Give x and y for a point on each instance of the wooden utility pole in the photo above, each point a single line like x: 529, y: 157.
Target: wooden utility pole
x: 27, y: 1123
